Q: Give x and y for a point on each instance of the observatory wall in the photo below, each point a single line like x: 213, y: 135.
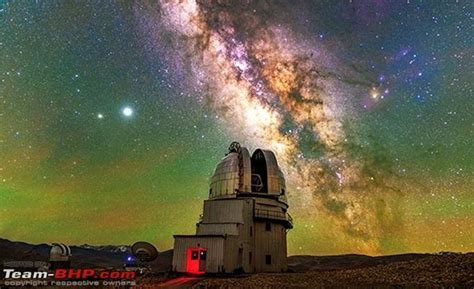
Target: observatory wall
x: 207, y: 229
x: 270, y: 240
x: 223, y: 211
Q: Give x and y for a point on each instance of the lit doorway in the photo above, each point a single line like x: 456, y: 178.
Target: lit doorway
x: 196, y: 260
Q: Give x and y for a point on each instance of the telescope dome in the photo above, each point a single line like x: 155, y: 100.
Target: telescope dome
x: 59, y: 252
x: 241, y: 173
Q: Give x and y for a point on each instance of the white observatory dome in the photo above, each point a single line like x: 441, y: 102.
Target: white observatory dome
x: 240, y: 173
x: 59, y: 252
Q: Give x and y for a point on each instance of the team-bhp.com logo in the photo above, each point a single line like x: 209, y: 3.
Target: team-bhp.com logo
x: 68, y: 277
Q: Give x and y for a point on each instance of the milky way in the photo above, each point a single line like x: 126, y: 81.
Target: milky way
x: 280, y: 90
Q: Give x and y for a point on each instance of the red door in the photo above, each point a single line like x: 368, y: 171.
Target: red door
x: 196, y: 260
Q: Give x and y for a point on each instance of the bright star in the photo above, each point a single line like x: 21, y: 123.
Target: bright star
x: 100, y: 116
x: 374, y: 93
x: 127, y: 111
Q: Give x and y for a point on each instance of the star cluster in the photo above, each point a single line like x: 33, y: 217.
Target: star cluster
x: 112, y: 114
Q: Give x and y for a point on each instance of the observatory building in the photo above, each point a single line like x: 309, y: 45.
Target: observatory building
x: 244, y: 222
x: 59, y: 256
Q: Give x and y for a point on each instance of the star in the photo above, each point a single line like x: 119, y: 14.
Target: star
x: 127, y: 111
x: 374, y: 93
x: 100, y: 116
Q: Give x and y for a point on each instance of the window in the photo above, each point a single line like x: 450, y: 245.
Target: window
x: 282, y: 191
x: 250, y: 257
x: 268, y: 259
x: 203, y: 255
x: 194, y: 255
x: 268, y: 226
x: 251, y: 231
x: 210, y: 192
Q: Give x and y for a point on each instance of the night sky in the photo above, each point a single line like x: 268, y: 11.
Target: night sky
x: 114, y: 114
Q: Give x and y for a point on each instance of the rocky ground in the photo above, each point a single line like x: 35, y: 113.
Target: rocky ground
x: 443, y: 270
x: 433, y: 271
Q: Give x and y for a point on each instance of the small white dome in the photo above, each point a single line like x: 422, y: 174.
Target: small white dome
x: 59, y: 252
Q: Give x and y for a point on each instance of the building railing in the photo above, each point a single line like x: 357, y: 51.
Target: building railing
x: 275, y: 215
x: 267, y: 214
